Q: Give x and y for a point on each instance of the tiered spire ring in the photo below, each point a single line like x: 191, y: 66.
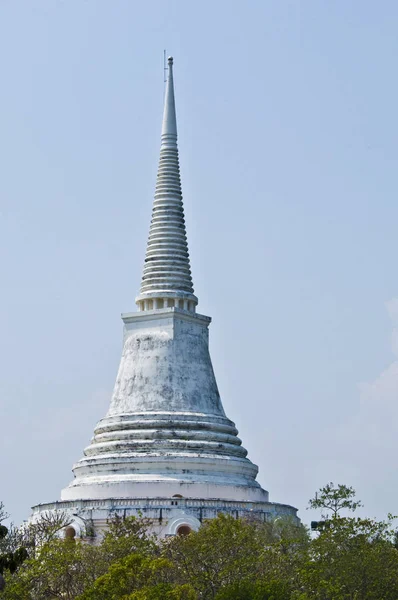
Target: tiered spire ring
x: 167, y: 280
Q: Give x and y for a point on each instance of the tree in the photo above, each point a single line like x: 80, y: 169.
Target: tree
x: 255, y: 590
x: 228, y: 554
x: 60, y: 569
x: 47, y: 527
x: 12, y: 552
x: 227, y: 559
x: 334, y: 499
x: 165, y: 592
x: 220, y: 552
x: 3, y: 514
x: 351, y: 558
x: 3, y: 533
x: 126, y: 536
x: 137, y: 577
x: 64, y: 568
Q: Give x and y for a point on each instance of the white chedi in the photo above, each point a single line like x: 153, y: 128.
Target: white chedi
x: 165, y: 449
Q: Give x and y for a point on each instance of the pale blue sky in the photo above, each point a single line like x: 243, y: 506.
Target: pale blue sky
x: 288, y: 146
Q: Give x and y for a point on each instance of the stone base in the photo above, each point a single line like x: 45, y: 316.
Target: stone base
x: 169, y: 516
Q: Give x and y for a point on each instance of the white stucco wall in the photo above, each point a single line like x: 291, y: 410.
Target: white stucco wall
x: 166, y: 431
x: 166, y: 366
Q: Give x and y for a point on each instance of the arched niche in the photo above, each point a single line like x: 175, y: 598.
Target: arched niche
x: 69, y: 533
x: 181, y: 523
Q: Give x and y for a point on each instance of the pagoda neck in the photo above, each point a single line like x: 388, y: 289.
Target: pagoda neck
x: 166, y: 280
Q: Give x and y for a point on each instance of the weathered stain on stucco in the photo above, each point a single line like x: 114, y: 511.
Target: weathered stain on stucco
x: 167, y: 368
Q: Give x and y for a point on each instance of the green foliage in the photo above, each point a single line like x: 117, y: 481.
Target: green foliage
x: 12, y: 552
x: 165, y: 591
x: 335, y: 499
x: 128, y: 536
x: 60, y: 569
x: 126, y: 576
x: 227, y: 551
x: 353, y: 558
x: 219, y: 552
x: 13, y: 560
x: 255, y: 590
x: 136, y: 577
x: 227, y: 559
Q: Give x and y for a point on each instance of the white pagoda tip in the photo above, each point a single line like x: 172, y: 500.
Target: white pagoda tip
x: 169, y: 126
x: 167, y: 280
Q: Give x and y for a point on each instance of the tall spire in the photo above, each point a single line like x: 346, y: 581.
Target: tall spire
x: 169, y: 125
x: 166, y: 280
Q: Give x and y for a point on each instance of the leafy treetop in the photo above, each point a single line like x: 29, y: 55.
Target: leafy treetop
x: 333, y: 499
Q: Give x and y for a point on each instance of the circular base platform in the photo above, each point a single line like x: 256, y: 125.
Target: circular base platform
x: 89, y: 518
